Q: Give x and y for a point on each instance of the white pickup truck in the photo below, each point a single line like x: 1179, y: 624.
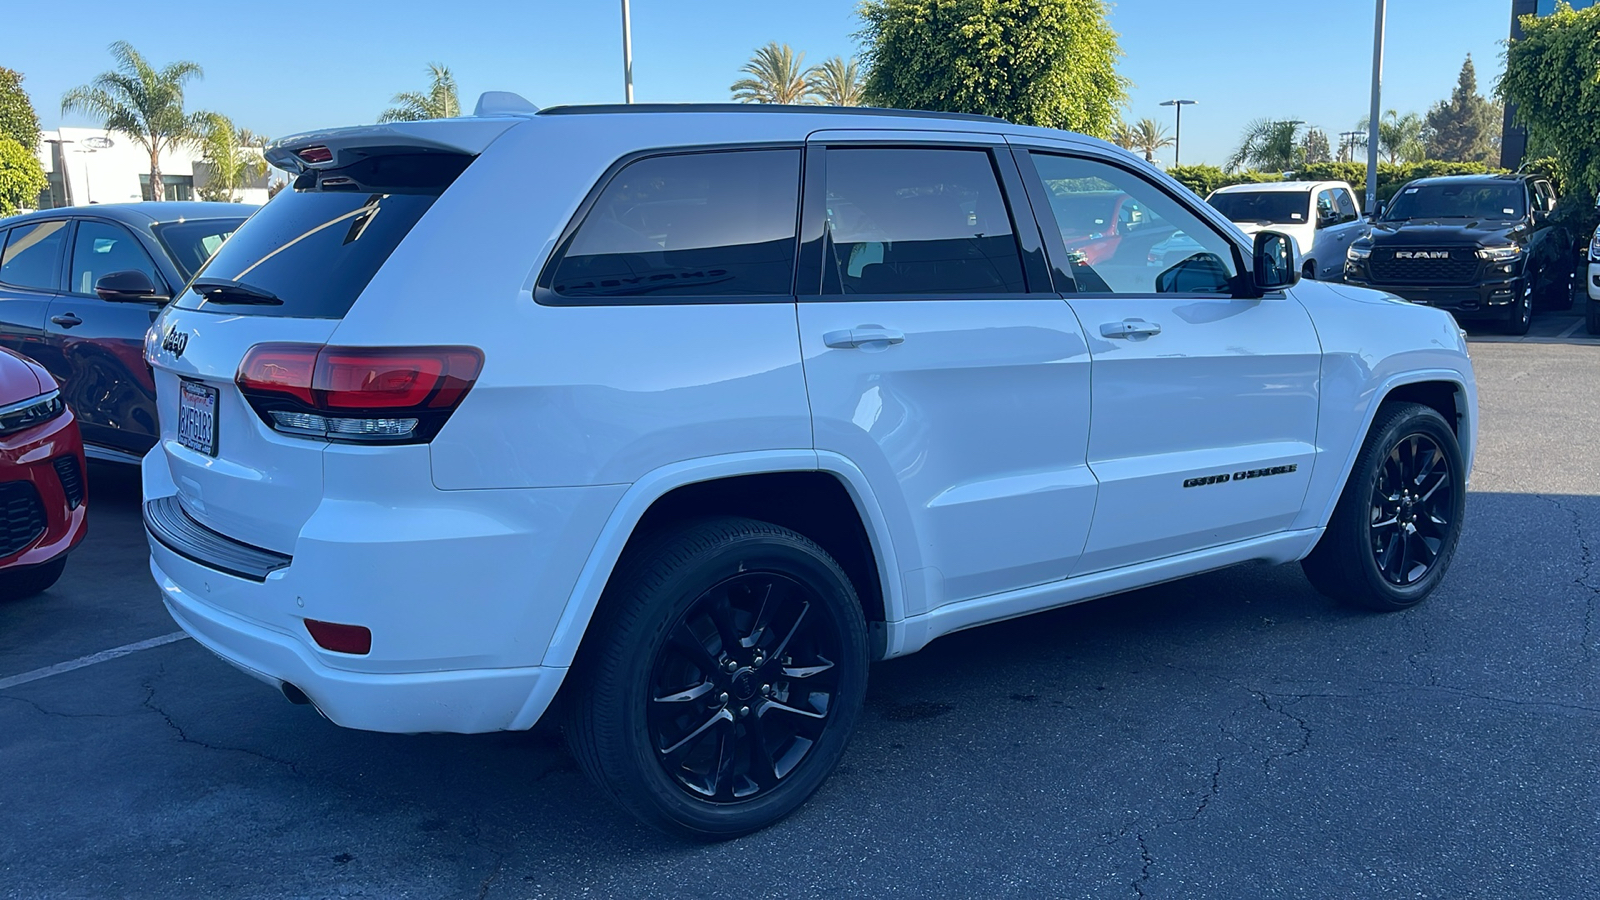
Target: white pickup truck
x: 1322, y: 216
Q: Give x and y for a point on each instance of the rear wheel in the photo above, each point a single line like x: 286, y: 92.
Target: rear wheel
x: 1593, y: 307
x: 722, y: 680
x: 19, y: 583
x: 1395, y: 529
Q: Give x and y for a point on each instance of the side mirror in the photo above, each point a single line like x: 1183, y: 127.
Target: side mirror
x: 1274, y: 267
x: 131, y: 286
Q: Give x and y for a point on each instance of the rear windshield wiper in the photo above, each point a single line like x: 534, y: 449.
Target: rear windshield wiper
x: 221, y: 290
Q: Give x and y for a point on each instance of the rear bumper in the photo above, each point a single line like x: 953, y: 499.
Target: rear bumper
x: 462, y: 700
x: 1489, y: 298
x: 30, y: 456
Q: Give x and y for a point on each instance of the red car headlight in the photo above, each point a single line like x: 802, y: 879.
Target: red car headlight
x: 28, y: 413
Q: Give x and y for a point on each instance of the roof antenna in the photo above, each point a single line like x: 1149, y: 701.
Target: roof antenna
x: 503, y: 103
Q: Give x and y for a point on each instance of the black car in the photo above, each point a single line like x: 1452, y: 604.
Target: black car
x: 1481, y: 246
x: 58, y: 307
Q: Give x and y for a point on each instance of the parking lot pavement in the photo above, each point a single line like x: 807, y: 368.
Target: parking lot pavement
x: 1546, y: 327
x: 1229, y: 735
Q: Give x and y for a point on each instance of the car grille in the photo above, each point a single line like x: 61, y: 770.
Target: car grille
x: 21, y: 516
x: 1460, y: 268
x: 71, y: 476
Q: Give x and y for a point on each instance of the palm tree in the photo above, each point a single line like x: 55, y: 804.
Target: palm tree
x: 1269, y: 145
x: 1149, y: 136
x: 1123, y: 136
x: 1400, y: 138
x: 775, y: 76
x: 837, y: 82
x: 233, y: 157
x: 440, y: 101
x: 143, y: 103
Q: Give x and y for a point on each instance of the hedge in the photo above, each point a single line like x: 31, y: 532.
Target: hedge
x: 1391, y: 176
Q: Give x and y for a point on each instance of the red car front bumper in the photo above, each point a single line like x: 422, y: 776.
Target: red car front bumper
x: 43, y: 493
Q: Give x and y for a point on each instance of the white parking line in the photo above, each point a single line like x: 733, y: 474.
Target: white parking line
x: 1571, y: 329
x: 91, y: 659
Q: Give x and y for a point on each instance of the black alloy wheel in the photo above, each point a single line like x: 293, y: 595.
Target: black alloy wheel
x: 721, y: 677
x: 741, y: 692
x: 1412, y: 509
x: 1395, y: 528
x: 1520, y: 314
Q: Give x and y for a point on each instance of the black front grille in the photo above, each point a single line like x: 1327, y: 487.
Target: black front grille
x: 1460, y: 267
x: 21, y: 516
x: 71, y: 475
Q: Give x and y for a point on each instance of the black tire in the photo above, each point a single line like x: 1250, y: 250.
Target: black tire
x: 1356, y: 561
x: 1519, y: 316
x: 676, y: 613
x: 1592, y: 307
x: 20, y: 583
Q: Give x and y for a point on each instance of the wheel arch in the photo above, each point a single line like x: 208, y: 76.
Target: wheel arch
x: 1448, y: 391
x: 802, y: 488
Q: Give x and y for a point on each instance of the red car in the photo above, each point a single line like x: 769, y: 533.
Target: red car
x: 42, y: 486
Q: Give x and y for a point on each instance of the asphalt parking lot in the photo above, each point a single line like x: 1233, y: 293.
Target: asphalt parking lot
x: 1230, y: 735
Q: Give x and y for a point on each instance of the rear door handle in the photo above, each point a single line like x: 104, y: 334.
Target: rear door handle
x: 67, y: 321
x: 1129, y: 328
x: 848, y: 338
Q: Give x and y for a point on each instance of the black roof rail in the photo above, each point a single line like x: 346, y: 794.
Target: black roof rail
x: 607, y: 108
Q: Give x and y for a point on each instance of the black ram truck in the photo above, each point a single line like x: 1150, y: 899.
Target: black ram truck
x: 1481, y: 246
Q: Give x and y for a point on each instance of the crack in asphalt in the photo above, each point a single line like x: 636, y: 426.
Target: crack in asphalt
x: 184, y: 738
x: 1586, y: 562
x: 1415, y: 621
x: 1305, y: 730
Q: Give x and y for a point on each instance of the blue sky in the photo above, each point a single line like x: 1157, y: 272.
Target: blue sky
x: 278, y: 70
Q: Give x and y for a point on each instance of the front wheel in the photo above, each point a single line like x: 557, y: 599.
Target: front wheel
x: 721, y: 679
x: 1593, y: 307
x: 1520, y: 315
x: 1397, y: 523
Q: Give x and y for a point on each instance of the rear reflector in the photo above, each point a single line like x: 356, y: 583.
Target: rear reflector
x: 356, y: 639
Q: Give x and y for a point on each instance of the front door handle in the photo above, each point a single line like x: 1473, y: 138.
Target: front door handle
x: 848, y: 338
x: 67, y: 321
x: 1129, y: 328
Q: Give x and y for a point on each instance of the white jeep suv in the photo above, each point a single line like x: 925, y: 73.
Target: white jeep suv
x: 677, y: 417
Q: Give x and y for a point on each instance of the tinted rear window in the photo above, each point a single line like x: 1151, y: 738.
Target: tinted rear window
x: 315, y: 247
x: 190, y: 244
x: 1263, y: 207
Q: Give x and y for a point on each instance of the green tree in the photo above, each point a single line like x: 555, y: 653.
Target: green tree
x: 18, y: 121
x: 21, y: 176
x: 1400, y: 138
x: 775, y: 76
x: 143, y: 103
x: 1034, y: 62
x: 1268, y: 144
x: 836, y: 82
x: 439, y: 101
x: 1553, y: 77
x: 1314, y: 147
x: 1149, y: 137
x: 233, y: 159
x: 1465, y: 128
x: 1122, y: 135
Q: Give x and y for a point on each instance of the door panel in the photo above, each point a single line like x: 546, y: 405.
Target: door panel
x: 1204, y: 406
x: 943, y: 364
x: 30, y: 264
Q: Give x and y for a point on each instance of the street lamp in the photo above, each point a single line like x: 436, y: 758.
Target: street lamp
x: 1177, y: 135
x: 627, y: 55
x: 1372, y: 119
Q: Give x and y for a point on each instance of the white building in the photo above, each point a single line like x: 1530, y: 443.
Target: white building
x: 92, y: 165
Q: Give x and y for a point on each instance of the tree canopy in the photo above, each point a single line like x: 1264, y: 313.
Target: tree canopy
x: 1466, y: 127
x: 835, y: 82
x: 773, y: 75
x: 439, y: 101
x: 1553, y: 76
x: 1269, y: 144
x: 18, y: 120
x: 1034, y: 62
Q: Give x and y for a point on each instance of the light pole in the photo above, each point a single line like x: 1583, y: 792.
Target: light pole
x: 1372, y: 119
x: 1347, y: 145
x: 1177, y: 133
x: 627, y: 55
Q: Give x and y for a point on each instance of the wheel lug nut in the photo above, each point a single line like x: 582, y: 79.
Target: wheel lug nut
x: 744, y: 711
x: 766, y: 690
x: 722, y: 698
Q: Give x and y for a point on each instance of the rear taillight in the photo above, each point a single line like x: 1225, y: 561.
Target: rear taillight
x: 317, y: 154
x: 384, y: 395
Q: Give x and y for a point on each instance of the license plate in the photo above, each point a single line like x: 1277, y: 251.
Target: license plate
x: 197, y: 417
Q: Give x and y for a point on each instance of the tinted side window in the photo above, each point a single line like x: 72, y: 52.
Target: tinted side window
x: 32, y: 255
x: 918, y: 221
x: 1172, y: 250
x: 1347, y: 205
x: 694, y: 224
x: 101, y: 248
